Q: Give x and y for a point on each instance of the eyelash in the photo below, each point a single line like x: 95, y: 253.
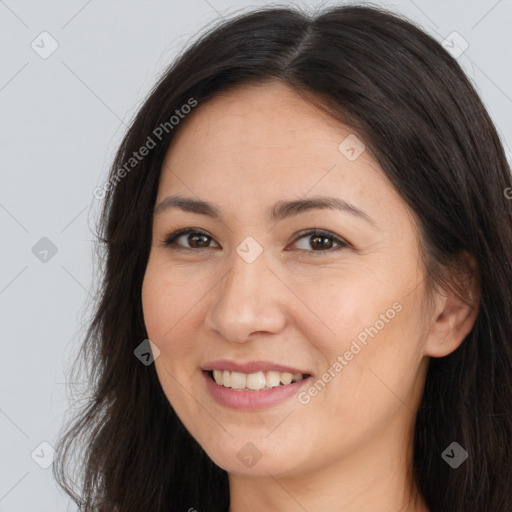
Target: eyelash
x: 170, y: 240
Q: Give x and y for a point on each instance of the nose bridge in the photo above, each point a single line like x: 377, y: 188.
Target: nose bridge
x: 246, y: 300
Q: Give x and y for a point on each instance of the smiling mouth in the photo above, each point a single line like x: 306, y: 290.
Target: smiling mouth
x: 253, y: 381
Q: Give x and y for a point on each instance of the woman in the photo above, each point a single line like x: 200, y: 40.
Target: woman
x: 309, y: 220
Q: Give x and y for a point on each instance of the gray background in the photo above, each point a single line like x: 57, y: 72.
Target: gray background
x: 62, y: 118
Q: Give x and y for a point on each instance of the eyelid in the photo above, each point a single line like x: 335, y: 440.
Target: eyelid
x: 321, y: 232
x: 169, y: 239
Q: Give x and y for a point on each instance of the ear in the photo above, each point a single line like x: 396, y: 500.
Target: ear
x: 453, y: 317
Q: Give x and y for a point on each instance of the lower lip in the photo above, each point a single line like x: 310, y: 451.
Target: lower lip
x: 251, y: 400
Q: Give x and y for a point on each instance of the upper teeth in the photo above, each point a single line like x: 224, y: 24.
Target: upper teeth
x: 254, y: 381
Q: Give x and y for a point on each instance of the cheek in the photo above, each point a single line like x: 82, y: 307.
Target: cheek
x: 380, y: 380
x: 339, y: 304
x: 165, y: 306
x: 170, y: 310
x: 364, y: 330
x: 153, y: 306
x: 165, y: 302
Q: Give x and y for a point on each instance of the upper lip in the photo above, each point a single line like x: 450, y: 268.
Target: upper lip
x: 251, y: 367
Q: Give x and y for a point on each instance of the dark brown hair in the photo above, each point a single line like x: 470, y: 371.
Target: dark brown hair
x: 424, y: 122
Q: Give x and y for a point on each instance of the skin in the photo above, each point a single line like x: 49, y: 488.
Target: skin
x: 349, y: 448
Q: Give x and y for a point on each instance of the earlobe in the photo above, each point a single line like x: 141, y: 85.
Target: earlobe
x: 455, y: 311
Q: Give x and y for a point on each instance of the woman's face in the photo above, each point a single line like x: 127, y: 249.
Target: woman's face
x: 253, y: 285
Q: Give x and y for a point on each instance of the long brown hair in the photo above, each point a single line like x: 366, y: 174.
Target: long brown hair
x: 433, y: 138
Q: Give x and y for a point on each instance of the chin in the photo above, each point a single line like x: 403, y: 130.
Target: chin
x: 256, y: 457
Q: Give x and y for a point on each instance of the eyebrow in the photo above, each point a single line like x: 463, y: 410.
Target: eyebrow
x: 279, y: 211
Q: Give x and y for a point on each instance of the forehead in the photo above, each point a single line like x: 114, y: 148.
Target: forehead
x: 267, y: 117
x: 255, y: 145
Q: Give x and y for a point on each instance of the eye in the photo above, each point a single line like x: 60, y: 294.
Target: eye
x: 319, y: 240
x: 197, y: 239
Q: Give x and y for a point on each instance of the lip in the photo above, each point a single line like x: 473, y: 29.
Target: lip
x: 251, y: 367
x: 251, y: 400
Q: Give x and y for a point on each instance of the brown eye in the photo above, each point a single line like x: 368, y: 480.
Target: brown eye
x: 321, y: 242
x: 192, y: 238
x: 198, y: 240
x: 316, y: 240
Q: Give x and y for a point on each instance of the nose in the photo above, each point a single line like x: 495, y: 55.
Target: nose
x: 249, y: 300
